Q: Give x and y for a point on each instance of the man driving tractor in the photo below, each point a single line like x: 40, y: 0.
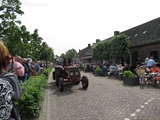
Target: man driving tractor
x: 67, y: 61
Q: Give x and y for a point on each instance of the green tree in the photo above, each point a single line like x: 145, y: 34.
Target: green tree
x: 71, y: 53
x: 25, y: 41
x: 18, y: 40
x: 63, y: 55
x: 115, y: 48
x: 46, y: 52
x: 107, y: 49
x: 43, y: 51
x: 35, y: 42
x: 9, y: 25
x: 94, y: 53
x: 97, y: 51
x: 119, y: 46
x: 9, y: 10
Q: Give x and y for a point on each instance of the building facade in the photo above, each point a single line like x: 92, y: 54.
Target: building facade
x: 144, y: 39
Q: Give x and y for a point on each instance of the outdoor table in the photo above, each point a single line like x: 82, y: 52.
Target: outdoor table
x: 153, y: 74
x: 158, y: 77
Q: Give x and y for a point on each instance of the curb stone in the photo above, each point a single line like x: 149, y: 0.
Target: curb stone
x: 45, y: 111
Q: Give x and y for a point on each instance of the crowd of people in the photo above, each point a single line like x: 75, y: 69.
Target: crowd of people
x: 23, y: 68
x: 147, y: 71
x: 13, y: 72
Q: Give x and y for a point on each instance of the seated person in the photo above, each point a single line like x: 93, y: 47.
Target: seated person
x: 104, y: 69
x: 120, y: 71
x: 112, y: 69
x: 154, y: 70
x: 120, y: 68
x: 131, y: 68
x: 125, y: 67
x: 158, y: 76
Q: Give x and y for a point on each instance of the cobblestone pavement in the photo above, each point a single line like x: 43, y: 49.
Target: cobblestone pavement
x: 105, y: 99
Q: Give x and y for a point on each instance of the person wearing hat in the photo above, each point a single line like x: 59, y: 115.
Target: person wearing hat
x: 150, y: 62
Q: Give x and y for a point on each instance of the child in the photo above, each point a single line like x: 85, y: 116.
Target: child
x: 141, y: 73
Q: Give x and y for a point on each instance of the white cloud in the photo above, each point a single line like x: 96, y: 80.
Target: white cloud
x: 66, y: 24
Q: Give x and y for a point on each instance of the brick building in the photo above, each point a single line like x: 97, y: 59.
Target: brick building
x: 145, y: 42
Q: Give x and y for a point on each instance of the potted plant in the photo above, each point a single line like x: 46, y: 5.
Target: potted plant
x: 129, y: 78
x: 98, y: 71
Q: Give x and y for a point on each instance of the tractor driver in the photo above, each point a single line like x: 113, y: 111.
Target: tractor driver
x: 67, y: 61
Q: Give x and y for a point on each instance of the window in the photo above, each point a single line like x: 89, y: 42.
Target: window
x: 154, y: 54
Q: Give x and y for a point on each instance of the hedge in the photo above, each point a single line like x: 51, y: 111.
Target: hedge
x: 32, y: 97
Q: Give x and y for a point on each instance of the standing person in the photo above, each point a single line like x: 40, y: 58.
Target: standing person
x: 18, y: 68
x: 11, y: 84
x: 26, y: 61
x: 36, y: 66
x: 23, y: 62
x: 141, y: 73
x: 150, y: 62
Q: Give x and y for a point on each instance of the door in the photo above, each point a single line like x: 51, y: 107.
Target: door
x: 134, y: 56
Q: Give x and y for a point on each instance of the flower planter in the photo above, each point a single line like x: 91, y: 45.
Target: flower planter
x: 97, y: 73
x: 132, y: 81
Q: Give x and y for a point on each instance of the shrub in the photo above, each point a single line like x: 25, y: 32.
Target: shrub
x: 98, y: 70
x: 47, y: 71
x: 128, y: 73
x: 33, y: 91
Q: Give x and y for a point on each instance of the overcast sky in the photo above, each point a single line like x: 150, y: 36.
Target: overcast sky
x: 67, y: 24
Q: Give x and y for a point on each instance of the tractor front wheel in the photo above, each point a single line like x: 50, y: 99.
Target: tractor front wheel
x: 85, y: 82
x: 53, y: 75
x: 61, y: 84
x: 57, y: 81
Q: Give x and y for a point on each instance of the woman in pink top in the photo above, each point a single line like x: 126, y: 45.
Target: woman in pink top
x: 18, y: 68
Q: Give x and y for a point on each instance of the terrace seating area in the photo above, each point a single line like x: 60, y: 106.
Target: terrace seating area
x: 151, y: 78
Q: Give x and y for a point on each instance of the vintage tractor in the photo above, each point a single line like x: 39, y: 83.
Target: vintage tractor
x: 69, y: 74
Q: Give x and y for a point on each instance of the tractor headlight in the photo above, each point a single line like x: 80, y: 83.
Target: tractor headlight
x: 71, y: 73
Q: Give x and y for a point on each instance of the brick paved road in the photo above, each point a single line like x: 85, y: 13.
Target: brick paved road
x: 105, y: 99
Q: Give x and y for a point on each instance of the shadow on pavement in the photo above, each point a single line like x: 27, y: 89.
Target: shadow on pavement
x: 68, y: 88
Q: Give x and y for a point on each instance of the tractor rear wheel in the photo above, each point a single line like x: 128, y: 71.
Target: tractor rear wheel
x: 61, y: 84
x: 85, y: 82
